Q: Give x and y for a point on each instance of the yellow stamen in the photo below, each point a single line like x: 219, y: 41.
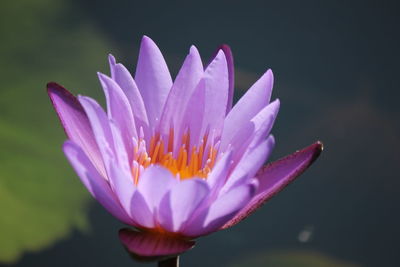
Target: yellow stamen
x: 185, y: 165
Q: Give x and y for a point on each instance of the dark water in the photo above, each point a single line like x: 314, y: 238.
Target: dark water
x: 337, y: 76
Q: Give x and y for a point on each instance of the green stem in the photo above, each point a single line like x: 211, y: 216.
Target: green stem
x: 171, y: 262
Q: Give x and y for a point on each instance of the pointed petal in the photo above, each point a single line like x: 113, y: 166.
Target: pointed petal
x: 221, y: 211
x: 182, y: 89
x: 231, y: 71
x: 93, y: 181
x: 216, y: 83
x: 101, y: 128
x: 251, y: 162
x: 124, y: 79
x: 75, y: 122
x: 183, y: 199
x: 153, y: 79
x: 119, y: 110
x: 276, y: 176
x: 255, y: 99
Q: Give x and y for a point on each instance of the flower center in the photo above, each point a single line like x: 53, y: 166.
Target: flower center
x: 187, y: 162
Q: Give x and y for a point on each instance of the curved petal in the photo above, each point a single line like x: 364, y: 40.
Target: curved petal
x: 145, y: 244
x: 181, y: 91
x: 183, y: 200
x: 216, y: 84
x: 154, y: 183
x: 276, y: 176
x: 221, y: 211
x: 96, y: 185
x: 251, y: 162
x: 119, y: 110
x: 262, y: 124
x: 253, y: 101
x: 101, y: 128
x: 231, y: 72
x: 125, y: 81
x: 75, y: 122
x: 153, y: 79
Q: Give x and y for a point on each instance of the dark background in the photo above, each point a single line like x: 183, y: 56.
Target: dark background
x: 336, y: 74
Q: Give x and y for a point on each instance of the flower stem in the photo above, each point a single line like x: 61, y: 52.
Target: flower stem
x: 171, y: 262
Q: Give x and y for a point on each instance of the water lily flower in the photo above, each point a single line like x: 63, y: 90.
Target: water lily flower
x: 176, y: 157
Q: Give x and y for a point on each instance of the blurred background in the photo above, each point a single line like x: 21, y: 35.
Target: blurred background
x: 336, y: 66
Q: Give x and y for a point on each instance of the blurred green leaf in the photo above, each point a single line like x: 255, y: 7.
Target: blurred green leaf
x: 41, y: 199
x: 291, y: 258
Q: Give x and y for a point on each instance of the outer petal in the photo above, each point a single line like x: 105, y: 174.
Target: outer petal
x: 95, y: 184
x: 144, y: 244
x: 276, y: 176
x: 124, y: 79
x: 119, y: 110
x: 181, y: 202
x: 255, y: 99
x: 251, y: 162
x: 101, y: 128
x: 221, y: 211
x: 216, y: 84
x: 75, y: 122
x: 182, y: 89
x: 262, y: 124
x: 153, y: 79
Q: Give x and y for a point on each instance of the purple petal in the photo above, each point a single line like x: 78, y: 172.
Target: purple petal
x: 153, y: 79
x: 231, y: 72
x: 154, y: 183
x: 94, y: 182
x: 276, y: 176
x: 217, y: 178
x: 75, y: 122
x: 255, y: 99
x: 193, y: 118
x: 261, y: 124
x: 146, y: 244
x: 183, y: 200
x: 182, y: 89
x: 141, y: 212
x: 216, y: 83
x: 251, y: 162
x: 120, y: 111
x: 124, y: 79
x: 221, y: 211
x: 101, y: 128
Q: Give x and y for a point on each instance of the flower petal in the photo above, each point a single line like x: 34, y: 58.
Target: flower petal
x: 262, y: 124
x: 75, y: 122
x: 181, y: 91
x: 125, y: 81
x: 216, y: 84
x: 145, y: 244
x: 119, y: 110
x: 221, y: 211
x: 183, y: 200
x: 231, y: 72
x: 153, y: 79
x: 276, y: 176
x: 100, y: 125
x: 154, y: 183
x: 251, y: 162
x: 94, y: 182
x: 253, y: 101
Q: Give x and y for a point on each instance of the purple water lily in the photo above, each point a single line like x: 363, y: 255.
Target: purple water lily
x: 174, y: 157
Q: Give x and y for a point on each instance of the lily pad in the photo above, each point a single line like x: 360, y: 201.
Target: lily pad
x: 41, y: 198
